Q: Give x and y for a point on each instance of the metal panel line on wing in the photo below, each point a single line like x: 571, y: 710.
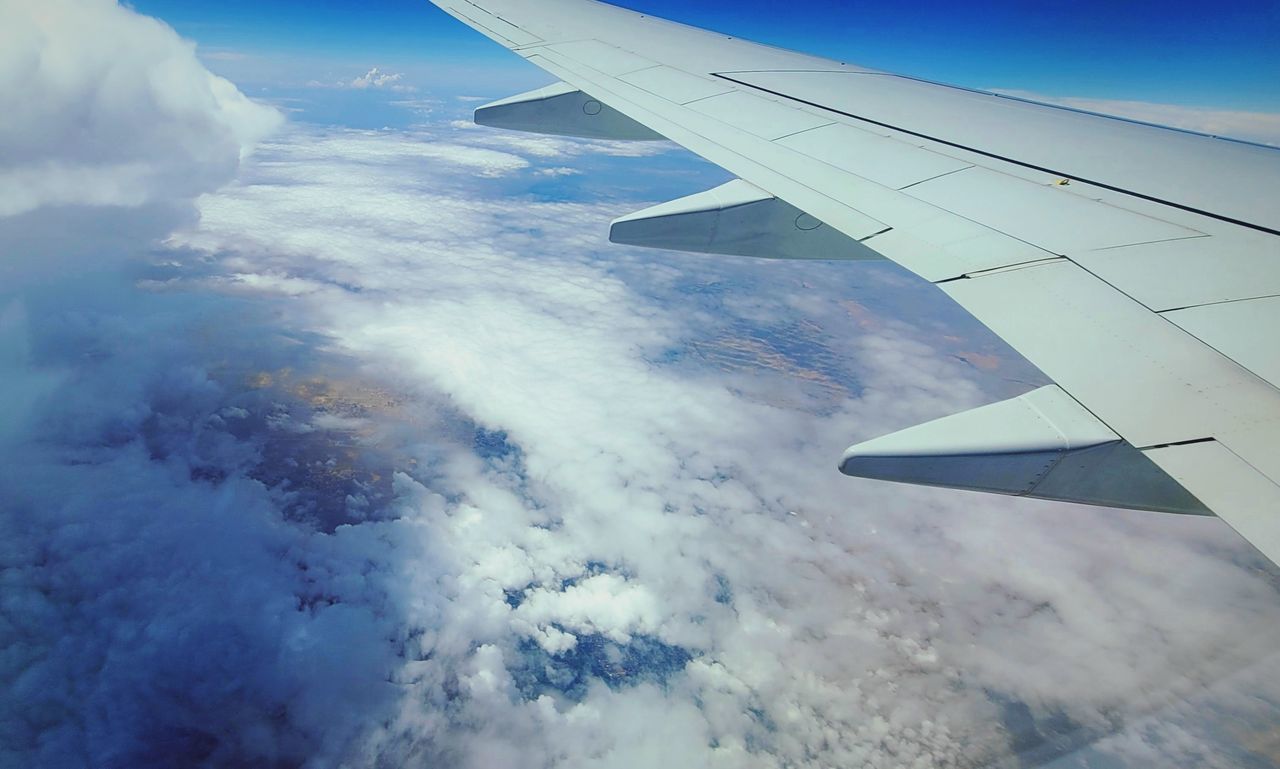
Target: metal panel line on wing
x: 978, y: 151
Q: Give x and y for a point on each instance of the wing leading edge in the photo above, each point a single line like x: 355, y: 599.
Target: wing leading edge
x: 1137, y: 266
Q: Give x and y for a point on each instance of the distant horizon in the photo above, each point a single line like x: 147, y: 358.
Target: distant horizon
x: 1188, y: 70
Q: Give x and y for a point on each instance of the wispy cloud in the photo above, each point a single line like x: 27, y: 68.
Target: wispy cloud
x: 222, y: 54
x: 558, y: 171
x: 1263, y: 127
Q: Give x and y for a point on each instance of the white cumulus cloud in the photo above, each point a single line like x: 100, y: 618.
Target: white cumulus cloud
x: 105, y: 107
x: 373, y: 80
x: 376, y: 78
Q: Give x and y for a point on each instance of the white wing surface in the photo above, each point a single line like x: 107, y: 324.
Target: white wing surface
x: 1137, y: 266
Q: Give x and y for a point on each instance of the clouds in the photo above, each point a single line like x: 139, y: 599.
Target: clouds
x: 373, y: 80
x: 653, y: 501
x: 166, y: 611
x: 105, y: 107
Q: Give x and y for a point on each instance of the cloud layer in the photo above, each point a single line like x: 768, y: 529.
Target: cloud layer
x: 589, y: 515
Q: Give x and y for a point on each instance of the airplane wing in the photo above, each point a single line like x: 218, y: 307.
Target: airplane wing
x: 1137, y: 266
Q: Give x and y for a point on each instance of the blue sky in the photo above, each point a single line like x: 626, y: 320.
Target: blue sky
x: 1219, y: 55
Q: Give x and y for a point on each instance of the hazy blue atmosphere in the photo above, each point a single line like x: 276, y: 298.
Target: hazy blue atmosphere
x: 1220, y: 56
x: 337, y: 435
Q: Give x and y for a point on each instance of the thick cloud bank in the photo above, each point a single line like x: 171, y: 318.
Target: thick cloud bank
x: 103, y: 106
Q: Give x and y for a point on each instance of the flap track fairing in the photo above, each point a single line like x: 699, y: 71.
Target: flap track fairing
x: 740, y: 219
x: 1042, y: 444
x: 563, y: 110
